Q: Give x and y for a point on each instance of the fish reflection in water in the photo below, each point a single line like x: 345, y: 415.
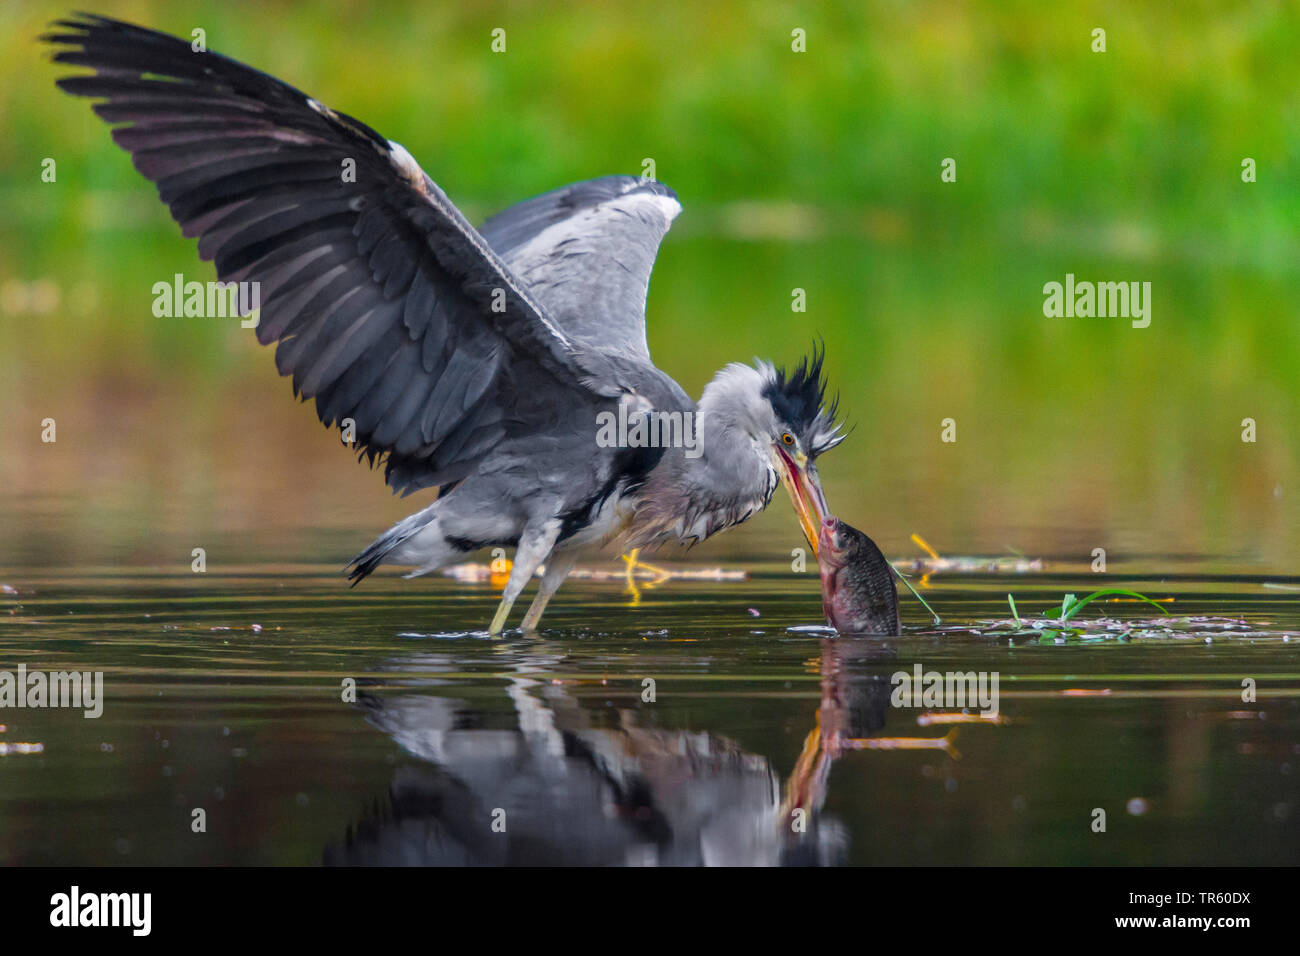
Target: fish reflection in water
x: 577, y: 794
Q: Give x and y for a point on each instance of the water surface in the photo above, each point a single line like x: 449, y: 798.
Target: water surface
x: 225, y: 692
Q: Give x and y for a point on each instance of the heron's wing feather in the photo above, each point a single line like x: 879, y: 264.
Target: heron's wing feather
x: 388, y: 307
x: 585, y: 251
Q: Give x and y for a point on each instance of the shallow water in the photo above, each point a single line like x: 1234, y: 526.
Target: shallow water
x: 750, y: 723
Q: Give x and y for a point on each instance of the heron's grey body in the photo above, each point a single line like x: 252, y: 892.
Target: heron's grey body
x: 478, y: 362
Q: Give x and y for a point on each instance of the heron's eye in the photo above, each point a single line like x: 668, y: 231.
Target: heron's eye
x: 787, y: 438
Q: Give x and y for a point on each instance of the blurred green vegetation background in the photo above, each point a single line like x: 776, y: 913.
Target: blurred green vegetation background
x: 817, y: 170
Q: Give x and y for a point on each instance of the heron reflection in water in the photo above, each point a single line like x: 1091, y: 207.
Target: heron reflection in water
x: 570, y: 789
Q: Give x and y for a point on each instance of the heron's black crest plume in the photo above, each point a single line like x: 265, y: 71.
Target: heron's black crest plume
x: 798, y: 399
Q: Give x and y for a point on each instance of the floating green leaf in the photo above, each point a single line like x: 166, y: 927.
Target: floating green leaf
x: 1068, y: 610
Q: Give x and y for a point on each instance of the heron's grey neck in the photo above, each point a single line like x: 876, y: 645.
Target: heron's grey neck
x: 691, y: 498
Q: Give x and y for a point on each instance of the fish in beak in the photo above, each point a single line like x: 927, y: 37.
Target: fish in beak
x: 799, y: 476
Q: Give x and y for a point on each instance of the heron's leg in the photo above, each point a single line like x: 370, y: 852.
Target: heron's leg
x: 633, y: 559
x: 534, y: 545
x: 557, y: 569
x: 633, y: 562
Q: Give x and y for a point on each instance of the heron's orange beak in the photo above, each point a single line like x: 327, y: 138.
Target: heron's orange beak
x: 800, y: 479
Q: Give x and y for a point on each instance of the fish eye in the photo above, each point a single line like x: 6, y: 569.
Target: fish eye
x: 787, y: 438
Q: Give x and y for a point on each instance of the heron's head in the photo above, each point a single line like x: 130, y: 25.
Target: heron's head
x: 789, y: 422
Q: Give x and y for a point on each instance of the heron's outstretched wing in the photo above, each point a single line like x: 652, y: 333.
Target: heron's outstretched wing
x: 585, y: 251
x: 389, y: 308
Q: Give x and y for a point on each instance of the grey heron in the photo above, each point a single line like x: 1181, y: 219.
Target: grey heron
x: 481, y: 362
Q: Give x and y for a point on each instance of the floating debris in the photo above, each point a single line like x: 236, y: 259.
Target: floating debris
x: 444, y: 635
x: 473, y: 572
x: 970, y: 564
x: 1055, y: 627
x: 19, y: 748
x: 966, y: 564
x: 903, y: 743
x: 925, y: 720
x: 1193, y: 627
x: 668, y: 574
